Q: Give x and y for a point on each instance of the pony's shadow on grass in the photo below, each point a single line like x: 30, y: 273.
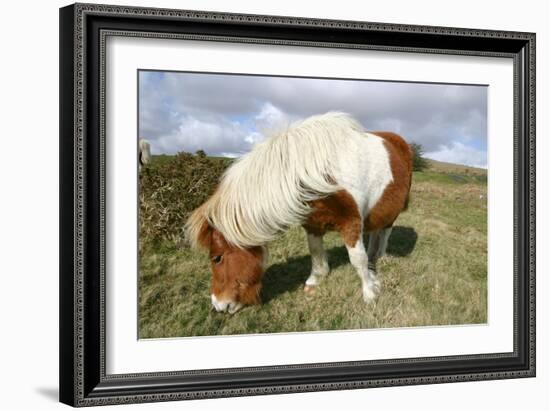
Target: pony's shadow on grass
x: 402, y: 241
x: 292, y: 274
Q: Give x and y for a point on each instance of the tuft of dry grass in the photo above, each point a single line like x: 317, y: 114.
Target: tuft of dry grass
x: 435, y: 273
x: 169, y: 189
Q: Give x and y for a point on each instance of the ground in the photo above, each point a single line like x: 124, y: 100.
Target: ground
x: 435, y: 273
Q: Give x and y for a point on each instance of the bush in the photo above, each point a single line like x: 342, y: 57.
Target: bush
x: 419, y: 161
x: 170, y: 188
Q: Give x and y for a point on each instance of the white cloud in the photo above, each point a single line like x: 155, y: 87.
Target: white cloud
x: 231, y: 113
x: 253, y: 137
x: 459, y: 153
x: 215, y: 136
x: 270, y: 118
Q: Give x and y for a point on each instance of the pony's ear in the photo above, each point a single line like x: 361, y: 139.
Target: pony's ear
x: 198, y: 232
x: 204, y: 236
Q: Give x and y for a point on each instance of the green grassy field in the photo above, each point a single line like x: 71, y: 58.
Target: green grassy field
x: 435, y: 273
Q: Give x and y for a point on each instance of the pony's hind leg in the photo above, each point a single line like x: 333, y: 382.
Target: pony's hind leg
x: 319, y: 262
x: 378, y: 242
x: 384, y: 238
x: 360, y: 261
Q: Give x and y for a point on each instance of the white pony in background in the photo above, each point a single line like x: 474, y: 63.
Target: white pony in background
x: 144, y: 155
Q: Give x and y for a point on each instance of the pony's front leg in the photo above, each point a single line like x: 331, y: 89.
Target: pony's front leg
x: 319, y: 262
x: 359, y: 259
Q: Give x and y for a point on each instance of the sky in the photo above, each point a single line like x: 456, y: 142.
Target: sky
x: 225, y: 115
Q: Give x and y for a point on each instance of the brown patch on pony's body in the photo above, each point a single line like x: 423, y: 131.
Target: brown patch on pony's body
x: 336, y: 212
x: 339, y: 211
x: 395, y: 197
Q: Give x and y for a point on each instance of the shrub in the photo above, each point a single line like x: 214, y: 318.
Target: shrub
x: 169, y: 189
x: 419, y: 161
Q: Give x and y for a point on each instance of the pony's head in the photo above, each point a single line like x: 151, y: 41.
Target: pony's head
x: 236, y: 271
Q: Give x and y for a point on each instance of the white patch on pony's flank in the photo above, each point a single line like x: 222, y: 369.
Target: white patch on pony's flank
x: 267, y: 190
x: 370, y: 283
x: 364, y: 169
x: 319, y: 262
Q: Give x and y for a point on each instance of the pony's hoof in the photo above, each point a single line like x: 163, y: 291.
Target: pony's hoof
x: 309, y: 289
x: 369, y: 297
x: 370, y: 293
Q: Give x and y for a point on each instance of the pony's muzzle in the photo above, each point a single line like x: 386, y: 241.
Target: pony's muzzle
x: 221, y: 306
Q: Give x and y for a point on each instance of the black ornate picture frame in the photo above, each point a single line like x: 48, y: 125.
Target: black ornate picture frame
x: 83, y: 31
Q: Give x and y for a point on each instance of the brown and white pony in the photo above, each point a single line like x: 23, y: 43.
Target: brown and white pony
x: 324, y: 173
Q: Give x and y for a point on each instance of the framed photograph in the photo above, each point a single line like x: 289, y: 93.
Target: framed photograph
x: 261, y: 204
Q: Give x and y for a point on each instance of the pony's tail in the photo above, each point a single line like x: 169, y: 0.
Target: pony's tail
x: 410, y: 166
x: 407, y: 200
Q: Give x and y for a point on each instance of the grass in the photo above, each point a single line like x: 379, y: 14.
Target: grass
x: 435, y: 273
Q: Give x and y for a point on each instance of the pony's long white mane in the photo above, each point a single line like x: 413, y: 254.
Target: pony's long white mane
x: 268, y: 189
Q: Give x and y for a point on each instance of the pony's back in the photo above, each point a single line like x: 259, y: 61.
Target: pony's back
x: 269, y: 189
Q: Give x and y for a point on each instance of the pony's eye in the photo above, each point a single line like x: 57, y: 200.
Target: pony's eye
x: 217, y: 259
